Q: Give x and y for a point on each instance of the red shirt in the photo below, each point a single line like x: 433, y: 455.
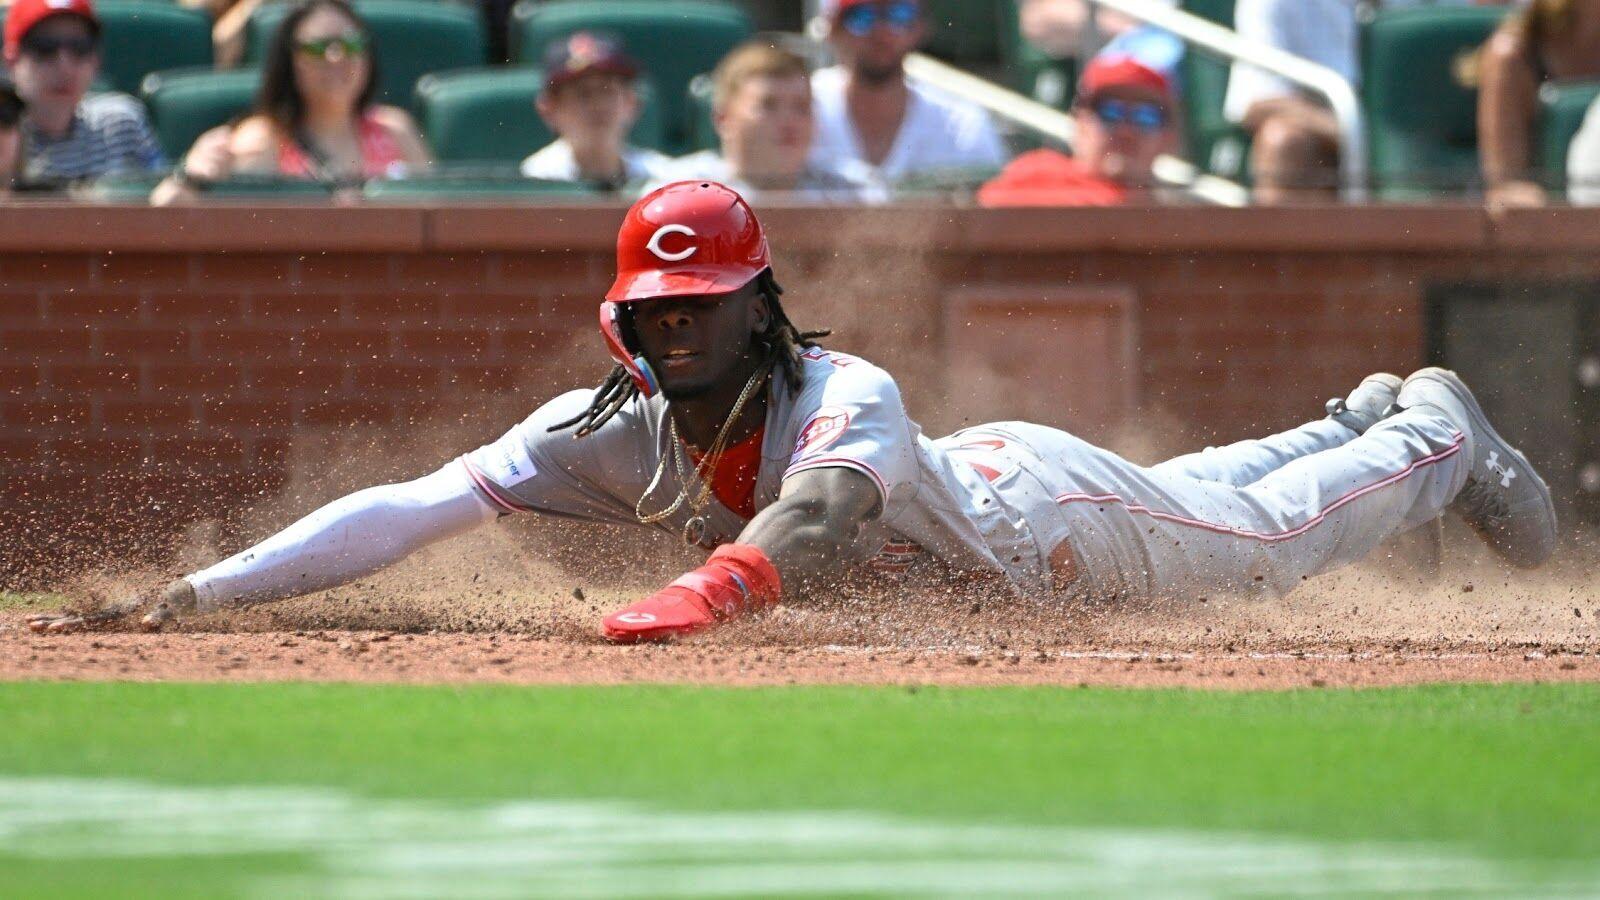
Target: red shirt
x: 1050, y: 178
x: 734, y: 480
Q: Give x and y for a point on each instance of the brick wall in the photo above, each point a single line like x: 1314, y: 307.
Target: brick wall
x: 156, y: 366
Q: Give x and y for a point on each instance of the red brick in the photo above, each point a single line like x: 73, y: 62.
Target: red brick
x: 486, y: 378
x: 143, y: 269
x: 124, y: 306
x: 234, y: 343
x: 198, y: 453
x: 268, y: 271
x: 21, y: 306
x: 207, y: 307
x: 250, y: 413
x: 146, y: 413
x: 433, y: 270
x: 144, y: 343
x: 93, y: 377
x: 274, y: 381
x: 45, y: 412
x: 502, y: 307
x: 463, y: 346
x: 96, y: 451
x: 49, y: 342
x: 19, y: 452
x: 356, y: 270
x: 526, y: 343
x: 272, y: 453
x: 370, y: 308
x: 295, y: 309
x: 51, y: 270
x: 344, y: 345
x: 347, y: 412
x: 193, y: 377
x: 18, y: 379
x: 395, y: 379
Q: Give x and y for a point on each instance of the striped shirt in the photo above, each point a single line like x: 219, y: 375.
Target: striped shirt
x: 109, y: 133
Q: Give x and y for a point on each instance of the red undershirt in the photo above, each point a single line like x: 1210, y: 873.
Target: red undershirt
x: 734, y: 480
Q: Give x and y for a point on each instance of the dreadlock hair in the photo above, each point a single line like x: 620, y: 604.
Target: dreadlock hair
x: 782, y: 342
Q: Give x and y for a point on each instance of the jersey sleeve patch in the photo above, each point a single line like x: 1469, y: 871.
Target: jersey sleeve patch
x: 506, y: 463
x: 827, y: 425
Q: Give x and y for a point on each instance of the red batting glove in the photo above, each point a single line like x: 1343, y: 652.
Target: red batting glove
x: 736, y: 579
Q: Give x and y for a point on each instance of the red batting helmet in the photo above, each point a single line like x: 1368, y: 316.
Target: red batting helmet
x: 690, y: 238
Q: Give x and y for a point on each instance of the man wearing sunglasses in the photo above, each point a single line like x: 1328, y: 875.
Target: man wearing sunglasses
x: 53, y: 50
x: 872, y: 123
x: 1124, y: 113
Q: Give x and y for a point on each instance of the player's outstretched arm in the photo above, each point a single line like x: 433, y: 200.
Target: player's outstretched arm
x: 802, y: 538
x: 351, y: 537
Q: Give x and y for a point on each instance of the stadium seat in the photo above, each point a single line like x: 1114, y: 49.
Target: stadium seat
x: 1562, y: 108
x: 413, y: 38
x: 964, y: 32
x: 456, y: 188
x: 702, y: 131
x: 141, y: 36
x: 136, y: 188
x: 1422, y: 133
x: 184, y: 103
x: 486, y: 115
x: 1211, y: 141
x: 1030, y: 70
x: 674, y: 40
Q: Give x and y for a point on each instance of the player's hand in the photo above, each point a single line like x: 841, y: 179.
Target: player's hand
x: 153, y: 610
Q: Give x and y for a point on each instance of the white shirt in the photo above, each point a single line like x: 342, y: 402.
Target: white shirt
x: 1583, y: 161
x: 555, y: 162
x: 939, y: 132
x: 815, y: 184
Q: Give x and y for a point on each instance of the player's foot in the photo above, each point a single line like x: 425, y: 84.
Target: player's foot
x: 1504, y: 499
x: 659, y: 618
x: 157, y: 611
x: 1367, y: 404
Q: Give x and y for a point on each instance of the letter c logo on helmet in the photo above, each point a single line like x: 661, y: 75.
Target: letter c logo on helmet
x: 655, y: 243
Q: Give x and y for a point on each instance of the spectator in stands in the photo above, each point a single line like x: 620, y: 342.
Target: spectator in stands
x: 1066, y: 29
x: 761, y: 109
x: 874, y: 125
x: 1125, y: 112
x: 315, y: 117
x: 53, y: 50
x: 590, y: 101
x: 1294, y: 151
x: 1548, y: 40
x: 11, y: 109
x: 1583, y: 161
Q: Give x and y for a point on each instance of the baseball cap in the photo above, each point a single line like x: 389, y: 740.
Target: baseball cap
x: 583, y: 52
x: 832, y: 8
x: 1142, y: 58
x: 24, y: 14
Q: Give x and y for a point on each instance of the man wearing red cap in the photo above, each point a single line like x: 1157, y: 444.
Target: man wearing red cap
x: 1124, y: 114
x: 793, y: 465
x: 53, y: 50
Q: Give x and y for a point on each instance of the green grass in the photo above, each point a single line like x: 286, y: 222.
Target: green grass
x: 1500, y: 773
x: 10, y: 600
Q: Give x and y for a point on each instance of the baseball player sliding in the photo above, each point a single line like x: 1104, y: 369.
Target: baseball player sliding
x: 792, y: 464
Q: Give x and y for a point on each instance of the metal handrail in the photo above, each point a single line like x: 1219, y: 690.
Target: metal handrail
x: 1320, y: 79
x: 1020, y: 109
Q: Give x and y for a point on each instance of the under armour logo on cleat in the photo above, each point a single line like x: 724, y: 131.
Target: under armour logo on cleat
x: 1504, y: 472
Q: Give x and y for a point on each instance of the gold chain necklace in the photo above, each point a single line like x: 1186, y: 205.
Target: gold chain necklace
x: 695, y: 529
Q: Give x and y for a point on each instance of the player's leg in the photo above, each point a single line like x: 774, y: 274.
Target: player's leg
x: 1150, y: 532
x: 1244, y: 462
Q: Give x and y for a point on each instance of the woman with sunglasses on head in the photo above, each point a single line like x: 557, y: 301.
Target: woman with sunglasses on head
x: 315, y: 117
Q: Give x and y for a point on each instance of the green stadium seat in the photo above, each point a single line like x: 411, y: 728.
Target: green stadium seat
x: 674, y: 40
x: 413, y: 38
x: 136, y: 188
x: 139, y: 37
x: 184, y: 103
x: 964, y: 32
x: 1422, y: 133
x: 1210, y: 140
x: 1562, y: 108
x: 451, y: 188
x: 486, y: 116
x: 702, y: 131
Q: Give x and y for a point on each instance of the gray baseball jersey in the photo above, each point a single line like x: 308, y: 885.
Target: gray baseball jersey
x: 1050, y: 512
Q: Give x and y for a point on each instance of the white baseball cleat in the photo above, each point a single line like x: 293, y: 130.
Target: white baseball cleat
x: 1504, y: 499
x: 1367, y: 404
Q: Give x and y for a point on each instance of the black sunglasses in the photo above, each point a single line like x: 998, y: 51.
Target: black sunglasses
x: 43, y: 46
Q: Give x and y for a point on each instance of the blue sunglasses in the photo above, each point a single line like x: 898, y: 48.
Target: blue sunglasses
x: 860, y: 20
x: 1145, y: 117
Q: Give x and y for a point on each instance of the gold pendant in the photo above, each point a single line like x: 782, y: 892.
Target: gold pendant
x: 695, y: 531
